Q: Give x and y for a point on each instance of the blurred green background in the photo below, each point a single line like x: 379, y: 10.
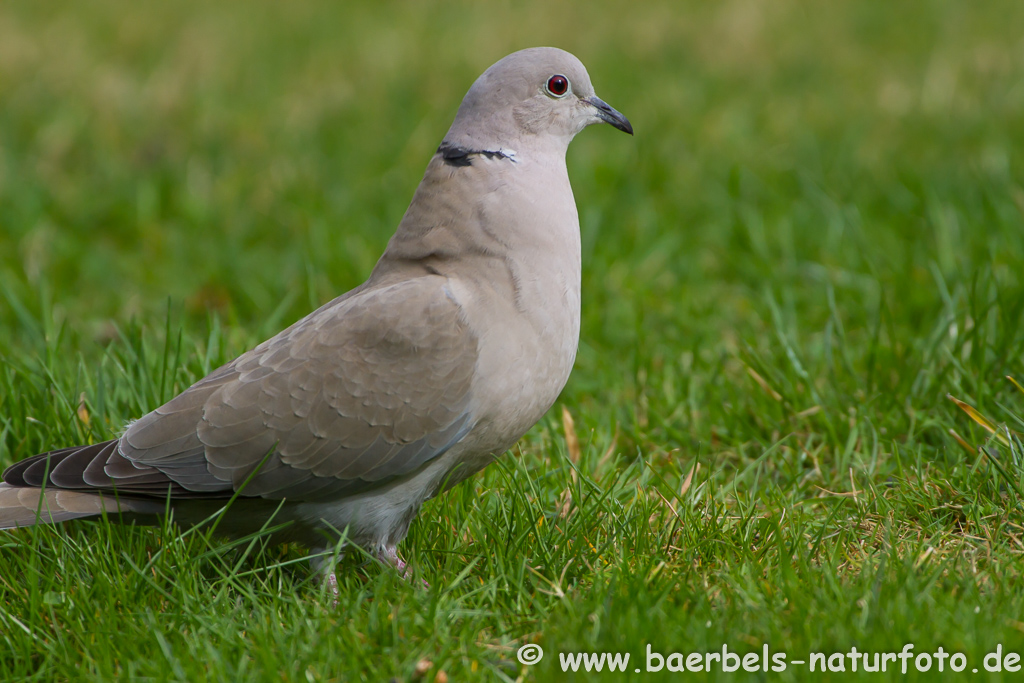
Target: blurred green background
x: 233, y: 155
x: 815, y: 235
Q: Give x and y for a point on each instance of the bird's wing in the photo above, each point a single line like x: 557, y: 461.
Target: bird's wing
x: 367, y: 388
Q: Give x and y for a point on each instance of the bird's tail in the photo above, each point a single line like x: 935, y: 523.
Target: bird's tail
x: 27, y: 505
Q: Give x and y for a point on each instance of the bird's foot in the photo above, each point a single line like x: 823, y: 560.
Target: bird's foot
x: 332, y: 583
x: 324, y: 566
x: 389, y: 555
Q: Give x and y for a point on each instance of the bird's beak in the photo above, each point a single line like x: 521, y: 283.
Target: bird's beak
x: 609, y: 115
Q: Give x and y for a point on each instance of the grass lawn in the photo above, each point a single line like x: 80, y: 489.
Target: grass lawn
x: 815, y: 238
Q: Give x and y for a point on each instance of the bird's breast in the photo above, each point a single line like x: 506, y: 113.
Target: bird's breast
x: 505, y: 235
x: 525, y: 308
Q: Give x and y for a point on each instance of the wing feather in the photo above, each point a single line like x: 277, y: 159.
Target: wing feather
x: 367, y: 388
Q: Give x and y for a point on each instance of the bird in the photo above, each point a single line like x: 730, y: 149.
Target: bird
x: 339, y: 428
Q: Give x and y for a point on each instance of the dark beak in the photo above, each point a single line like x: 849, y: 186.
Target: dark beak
x: 609, y: 115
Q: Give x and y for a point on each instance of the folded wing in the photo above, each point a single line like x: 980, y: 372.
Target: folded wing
x: 366, y: 389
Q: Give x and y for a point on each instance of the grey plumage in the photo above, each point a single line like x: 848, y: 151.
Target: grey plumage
x: 459, y: 341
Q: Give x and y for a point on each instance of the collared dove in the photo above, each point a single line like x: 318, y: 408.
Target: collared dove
x: 459, y: 342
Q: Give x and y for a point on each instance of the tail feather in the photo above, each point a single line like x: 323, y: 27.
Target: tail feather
x: 27, y: 506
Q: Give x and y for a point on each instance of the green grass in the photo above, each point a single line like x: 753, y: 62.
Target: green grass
x: 816, y: 235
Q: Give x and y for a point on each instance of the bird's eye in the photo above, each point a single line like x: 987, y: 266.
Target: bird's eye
x: 558, y: 85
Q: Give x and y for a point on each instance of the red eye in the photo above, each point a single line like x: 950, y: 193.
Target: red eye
x: 558, y: 85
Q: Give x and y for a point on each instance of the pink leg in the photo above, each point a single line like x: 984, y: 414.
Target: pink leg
x: 326, y: 570
x: 389, y: 556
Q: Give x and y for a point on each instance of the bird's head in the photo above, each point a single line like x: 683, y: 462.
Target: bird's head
x: 537, y: 92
